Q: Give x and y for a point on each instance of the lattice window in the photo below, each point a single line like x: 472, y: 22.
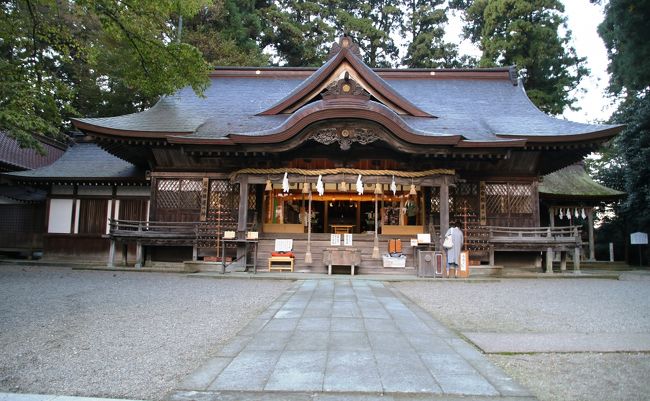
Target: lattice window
x: 178, y: 194
x: 223, y: 210
x: 504, y: 198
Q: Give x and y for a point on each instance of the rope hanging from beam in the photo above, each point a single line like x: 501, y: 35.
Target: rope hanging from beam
x: 342, y: 170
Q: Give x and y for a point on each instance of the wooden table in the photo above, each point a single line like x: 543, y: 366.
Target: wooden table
x: 342, y: 228
x: 341, y: 256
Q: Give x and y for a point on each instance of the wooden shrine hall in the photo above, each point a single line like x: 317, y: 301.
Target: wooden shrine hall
x: 300, y: 153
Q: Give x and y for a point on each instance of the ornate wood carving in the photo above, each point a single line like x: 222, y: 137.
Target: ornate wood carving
x: 345, y: 87
x: 344, y: 136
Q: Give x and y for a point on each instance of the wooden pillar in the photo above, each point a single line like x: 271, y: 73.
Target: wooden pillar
x: 563, y: 260
x: 242, y: 220
x: 243, y: 204
x: 551, y: 216
x: 111, y: 254
x: 444, y: 208
x: 576, y: 260
x: 549, y: 260
x: 138, y: 254
x: 592, y: 249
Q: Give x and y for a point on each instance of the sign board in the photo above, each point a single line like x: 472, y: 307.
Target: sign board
x: 639, y: 238
x: 335, y: 239
x: 424, y: 238
x: 463, y: 270
x: 347, y: 239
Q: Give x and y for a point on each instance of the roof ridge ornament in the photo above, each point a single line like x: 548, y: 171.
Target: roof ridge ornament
x: 345, y: 42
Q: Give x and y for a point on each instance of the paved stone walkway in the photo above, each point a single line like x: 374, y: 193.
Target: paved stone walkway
x: 347, y: 340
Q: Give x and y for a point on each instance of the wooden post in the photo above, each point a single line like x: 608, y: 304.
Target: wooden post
x: 611, y: 251
x: 551, y: 216
x: 444, y: 208
x: 563, y: 261
x: 576, y: 260
x: 242, y: 220
x: 549, y: 260
x: 138, y: 254
x: 592, y: 249
x: 111, y: 253
x: 308, y: 256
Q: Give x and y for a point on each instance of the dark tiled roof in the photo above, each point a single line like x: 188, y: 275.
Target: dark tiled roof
x: 83, y: 161
x: 477, y: 109
x: 12, y: 157
x: 574, y: 182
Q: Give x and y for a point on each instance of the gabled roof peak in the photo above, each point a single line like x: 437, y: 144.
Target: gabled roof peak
x: 345, y: 42
x: 345, y: 62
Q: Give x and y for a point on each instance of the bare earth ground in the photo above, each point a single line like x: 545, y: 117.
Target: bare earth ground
x: 105, y: 334
x: 552, y: 306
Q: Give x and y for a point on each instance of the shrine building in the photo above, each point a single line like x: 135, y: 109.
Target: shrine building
x: 301, y: 153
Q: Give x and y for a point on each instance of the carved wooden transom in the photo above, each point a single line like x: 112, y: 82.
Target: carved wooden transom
x: 344, y: 136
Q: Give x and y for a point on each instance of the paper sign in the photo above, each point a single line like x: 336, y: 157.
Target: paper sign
x: 335, y: 239
x: 639, y: 238
x: 347, y: 239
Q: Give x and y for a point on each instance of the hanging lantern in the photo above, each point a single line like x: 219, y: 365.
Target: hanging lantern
x: 393, y: 186
x: 306, y: 188
x: 320, y: 188
x: 359, y: 185
x: 269, y: 186
x: 285, y: 183
x: 584, y: 215
x: 378, y: 189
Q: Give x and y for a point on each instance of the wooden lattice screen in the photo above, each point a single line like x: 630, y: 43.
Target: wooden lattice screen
x: 178, y: 199
x: 509, y: 204
x: 222, y: 213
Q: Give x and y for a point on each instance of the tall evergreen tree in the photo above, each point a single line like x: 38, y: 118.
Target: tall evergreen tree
x: 373, y: 25
x: 627, y: 40
x: 425, y: 24
x: 226, y: 33
x: 526, y: 33
x: 296, y: 31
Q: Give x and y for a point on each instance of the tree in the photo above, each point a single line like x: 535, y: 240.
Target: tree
x: 226, y: 32
x: 60, y: 58
x: 426, y: 22
x: 627, y: 40
x: 372, y: 24
x: 526, y: 33
x: 297, y: 31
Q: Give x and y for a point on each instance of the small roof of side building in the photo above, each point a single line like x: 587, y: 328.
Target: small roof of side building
x: 461, y: 108
x: 83, y: 163
x: 13, y: 157
x: 574, y: 183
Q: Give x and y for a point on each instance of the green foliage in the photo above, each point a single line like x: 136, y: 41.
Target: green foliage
x: 64, y: 58
x: 297, y: 31
x: 426, y: 22
x: 633, y: 148
x: 527, y: 34
x: 371, y: 24
x: 627, y: 38
x: 225, y: 32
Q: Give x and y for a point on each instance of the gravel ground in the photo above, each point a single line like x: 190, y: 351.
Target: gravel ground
x: 116, y: 334
x: 547, y: 306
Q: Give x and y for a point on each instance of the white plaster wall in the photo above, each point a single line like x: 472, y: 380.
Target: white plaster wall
x: 60, y: 216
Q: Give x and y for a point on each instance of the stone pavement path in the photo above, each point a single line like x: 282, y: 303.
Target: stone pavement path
x: 347, y: 340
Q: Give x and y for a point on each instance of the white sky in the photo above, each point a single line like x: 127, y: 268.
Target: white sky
x: 583, y: 20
